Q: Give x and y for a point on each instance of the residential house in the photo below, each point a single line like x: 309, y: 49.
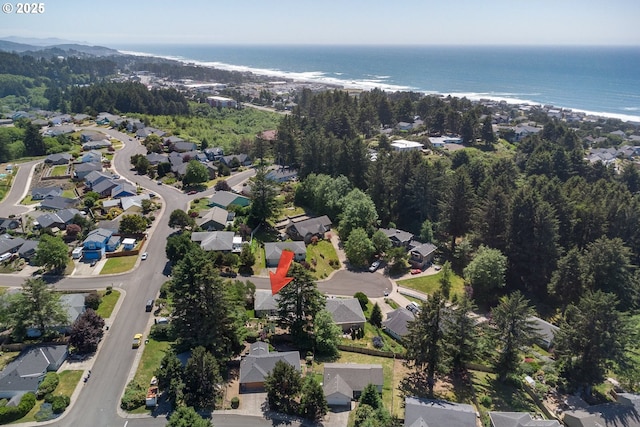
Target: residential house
x: 80, y: 171
x: 346, y: 313
x: 79, y: 118
x: 260, y: 362
x: 242, y: 159
x: 174, y: 140
x: 222, y: 102
x: 224, y: 199
x: 624, y: 413
x: 545, y: 330
x: 92, y: 135
x: 74, y: 306
x: 344, y: 382
x: 56, y: 203
x: 183, y: 146
x: 60, y: 130
x: 398, y: 237
x: 59, y: 219
x: 123, y: 189
x: 58, y: 159
x: 145, y: 132
x: 422, y: 255
x: 8, y: 224
x: 522, y: 131
x: 307, y: 229
x: 95, y: 177
x: 156, y: 158
x: 397, y: 323
x: 104, y: 187
x: 214, y: 240
x: 25, y: 373
x: 134, y: 125
x: 281, y: 175
x: 106, y: 118
x: 214, y: 153
x: 519, y: 419
x: 215, y: 219
x: 98, y: 241
x: 28, y: 249
x: 133, y: 204
x: 96, y: 145
x: 420, y: 412
x: 10, y: 244
x: 91, y: 156
x: 265, y: 303
x: 273, y: 250
x: 40, y: 193
x: 404, y: 145
x: 128, y: 244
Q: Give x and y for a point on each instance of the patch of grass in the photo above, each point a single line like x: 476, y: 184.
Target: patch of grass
x: 321, y: 253
x: 69, y: 193
x: 6, y: 357
x: 60, y: 170
x: 258, y: 252
x: 28, y: 200
x: 493, y: 395
x: 431, y: 283
x: 152, y: 354
x: 392, y: 303
x: 119, y: 264
x: 68, y: 382
x: 108, y: 303
x: 200, y: 205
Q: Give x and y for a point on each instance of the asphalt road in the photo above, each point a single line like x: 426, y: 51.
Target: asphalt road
x: 98, y: 403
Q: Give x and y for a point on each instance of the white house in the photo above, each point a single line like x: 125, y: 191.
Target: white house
x: 404, y: 145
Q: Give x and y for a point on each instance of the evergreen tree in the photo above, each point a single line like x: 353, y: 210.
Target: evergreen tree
x: 187, y: 417
x: 514, y: 329
x: 201, y: 380
x: 370, y: 396
x: 358, y: 248
x: 283, y: 385
x: 376, y: 316
x: 445, y: 280
x: 33, y: 141
x: 170, y: 377
x: 263, y: 198
x: 566, y: 284
x: 313, y: 403
x: 461, y: 335
x: 486, y: 273
x: 327, y: 334
x: 457, y: 206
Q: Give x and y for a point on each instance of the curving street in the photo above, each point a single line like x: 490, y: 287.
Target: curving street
x: 97, y: 403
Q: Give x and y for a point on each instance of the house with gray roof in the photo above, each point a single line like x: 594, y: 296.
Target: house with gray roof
x: 92, y: 135
x: 265, y: 303
x: 421, y: 254
x: 10, y: 244
x: 40, y: 193
x: 216, y: 218
x: 398, y: 237
x: 8, y: 224
x: 243, y: 160
x: 281, y: 175
x: 344, y: 382
x: 346, y: 313
x: 224, y: 199
x: 397, y: 322
x: 28, y: 249
x: 95, y: 177
x: 96, y: 145
x: 183, y: 146
x: 157, y: 158
x: 273, y: 251
x: 623, y: 413
x: 260, y: 362
x: 545, y: 330
x: 214, y: 240
x: 133, y: 203
x: 56, y: 203
x: 91, y: 156
x: 214, y: 153
x: 58, y: 159
x: 59, y: 219
x: 104, y: 187
x: 25, y: 373
x: 420, y: 412
x: 80, y: 171
x: 123, y: 189
x: 307, y: 229
x: 74, y: 305
x: 519, y: 419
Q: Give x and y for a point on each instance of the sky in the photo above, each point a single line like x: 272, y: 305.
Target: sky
x: 118, y: 23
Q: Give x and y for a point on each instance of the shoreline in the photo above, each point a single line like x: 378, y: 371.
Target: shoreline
x: 319, y: 77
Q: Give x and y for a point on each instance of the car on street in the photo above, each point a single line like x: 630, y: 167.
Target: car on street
x: 192, y: 192
x: 149, y: 307
x: 374, y: 266
x: 144, y: 256
x: 137, y: 341
x: 386, y: 292
x: 416, y: 271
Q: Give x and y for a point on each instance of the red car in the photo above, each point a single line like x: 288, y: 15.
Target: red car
x: 192, y: 192
x: 416, y: 271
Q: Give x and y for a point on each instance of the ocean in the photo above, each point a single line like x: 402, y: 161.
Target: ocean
x: 601, y: 80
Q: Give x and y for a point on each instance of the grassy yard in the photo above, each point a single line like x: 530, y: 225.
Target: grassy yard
x: 200, y: 204
x: 5, y: 183
x: 60, y: 170
x: 152, y: 355
x: 6, y: 357
x: 69, y: 193
x: 318, y: 256
x: 108, y: 303
x: 430, y: 284
x: 28, y: 201
x: 493, y: 395
x: 119, y: 264
x: 68, y: 382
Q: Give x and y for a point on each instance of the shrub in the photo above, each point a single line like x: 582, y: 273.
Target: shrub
x: 134, y: 396
x: 485, y: 401
x: 12, y: 413
x: 48, y: 385
x: 377, y: 342
x: 161, y: 332
x: 92, y: 300
x: 235, y: 402
x: 109, y: 290
x: 60, y: 403
x: 362, y: 299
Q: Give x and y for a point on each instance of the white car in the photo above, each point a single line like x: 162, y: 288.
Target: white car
x: 144, y: 256
x: 374, y: 266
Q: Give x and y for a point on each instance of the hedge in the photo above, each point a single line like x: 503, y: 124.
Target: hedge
x: 48, y: 385
x: 12, y: 413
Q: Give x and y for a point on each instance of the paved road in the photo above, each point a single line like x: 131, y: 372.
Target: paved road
x: 19, y: 188
x: 98, y: 403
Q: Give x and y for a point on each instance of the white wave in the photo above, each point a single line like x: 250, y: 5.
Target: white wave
x: 631, y: 108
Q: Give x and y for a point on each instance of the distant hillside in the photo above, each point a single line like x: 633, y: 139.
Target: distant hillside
x: 68, y: 49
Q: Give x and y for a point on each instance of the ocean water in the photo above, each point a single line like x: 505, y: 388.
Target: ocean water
x: 600, y: 80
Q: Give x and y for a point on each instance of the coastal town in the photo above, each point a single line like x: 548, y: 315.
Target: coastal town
x: 425, y: 230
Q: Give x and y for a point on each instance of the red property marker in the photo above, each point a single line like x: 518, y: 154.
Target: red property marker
x: 279, y: 280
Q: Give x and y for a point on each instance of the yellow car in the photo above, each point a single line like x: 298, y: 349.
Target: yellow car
x: 137, y: 340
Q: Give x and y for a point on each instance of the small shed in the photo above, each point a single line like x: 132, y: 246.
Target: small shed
x: 128, y: 244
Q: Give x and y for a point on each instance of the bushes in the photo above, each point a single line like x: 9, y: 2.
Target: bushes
x: 60, y: 403
x: 362, y: 299
x: 92, y: 300
x: 162, y: 332
x: 48, y: 385
x: 134, y: 396
x: 12, y: 413
x: 235, y: 402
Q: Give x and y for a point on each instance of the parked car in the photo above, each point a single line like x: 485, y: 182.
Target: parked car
x: 413, y: 307
x: 416, y: 271
x: 144, y: 256
x: 374, y: 266
x: 192, y: 192
x: 149, y: 306
x: 93, y: 263
x: 228, y: 273
x: 386, y: 292
x: 137, y: 341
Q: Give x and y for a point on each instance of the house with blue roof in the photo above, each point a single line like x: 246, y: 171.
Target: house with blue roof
x: 98, y: 242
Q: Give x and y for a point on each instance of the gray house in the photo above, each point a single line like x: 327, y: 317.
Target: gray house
x: 519, y: 419
x: 260, y: 362
x: 216, y: 219
x: 273, y: 250
x: 624, y: 413
x: 25, y: 373
x: 397, y: 323
x: 307, y: 229
x: 438, y: 413
x: 214, y: 240
x: 545, y: 330
x: 346, y: 313
x: 58, y: 159
x: 265, y: 303
x: 344, y: 382
x: 40, y: 193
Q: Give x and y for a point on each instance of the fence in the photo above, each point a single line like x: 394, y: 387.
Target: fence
x: 371, y: 351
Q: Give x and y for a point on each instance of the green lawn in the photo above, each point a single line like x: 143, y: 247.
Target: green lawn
x: 68, y: 382
x: 6, y: 357
x: 429, y: 284
x: 318, y: 256
x: 28, y: 201
x: 69, y: 193
x: 108, y: 303
x: 59, y: 170
x: 493, y: 395
x: 119, y: 264
x: 201, y: 204
x: 152, y: 355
